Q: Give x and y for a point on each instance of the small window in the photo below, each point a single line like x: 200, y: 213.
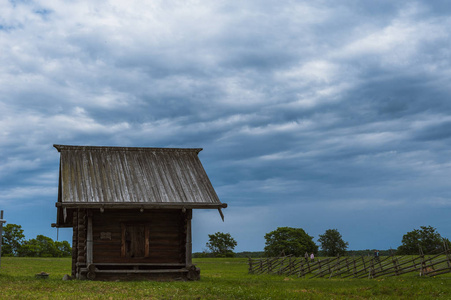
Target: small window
x: 135, y: 240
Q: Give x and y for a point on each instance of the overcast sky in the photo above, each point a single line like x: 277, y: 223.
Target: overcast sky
x: 312, y: 114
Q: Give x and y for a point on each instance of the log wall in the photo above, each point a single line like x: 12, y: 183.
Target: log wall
x: 79, y: 241
x: 165, y: 230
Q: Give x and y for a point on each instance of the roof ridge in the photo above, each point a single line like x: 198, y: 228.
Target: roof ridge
x: 117, y: 148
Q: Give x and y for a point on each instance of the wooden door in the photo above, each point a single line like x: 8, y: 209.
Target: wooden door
x: 135, y: 240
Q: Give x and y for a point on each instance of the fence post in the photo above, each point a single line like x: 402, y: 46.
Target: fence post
x: 1, y: 234
x: 289, y: 264
x: 301, y: 269
x: 423, y: 263
x: 448, y: 256
x: 364, y: 265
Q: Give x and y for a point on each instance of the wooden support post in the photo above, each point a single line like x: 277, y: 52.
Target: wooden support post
x: 74, y: 243
x: 89, y: 242
x: 188, y: 247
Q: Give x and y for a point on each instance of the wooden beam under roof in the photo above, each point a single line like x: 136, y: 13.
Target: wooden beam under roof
x: 121, y: 205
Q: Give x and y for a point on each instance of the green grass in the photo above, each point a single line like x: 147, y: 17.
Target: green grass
x: 220, y: 279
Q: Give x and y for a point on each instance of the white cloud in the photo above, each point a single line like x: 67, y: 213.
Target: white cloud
x: 399, y: 43
x: 273, y: 128
x: 320, y: 71
x: 30, y: 194
x: 80, y: 122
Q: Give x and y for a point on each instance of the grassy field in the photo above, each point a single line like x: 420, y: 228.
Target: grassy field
x: 220, y: 279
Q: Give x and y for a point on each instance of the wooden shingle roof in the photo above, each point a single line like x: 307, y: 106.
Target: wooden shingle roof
x: 125, y: 177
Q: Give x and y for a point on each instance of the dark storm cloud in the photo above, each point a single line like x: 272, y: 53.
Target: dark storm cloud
x: 340, y: 110
x: 441, y: 131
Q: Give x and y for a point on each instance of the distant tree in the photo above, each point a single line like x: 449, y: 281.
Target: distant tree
x: 43, y: 246
x: 427, y: 238
x: 63, y: 248
x: 29, y: 249
x: 14, y: 244
x: 332, y: 243
x: 12, y: 239
x: 447, y: 242
x: 291, y: 241
x: 40, y: 246
x: 47, y: 246
x: 221, y: 244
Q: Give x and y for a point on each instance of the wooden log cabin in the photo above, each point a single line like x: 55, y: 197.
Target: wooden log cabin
x: 131, y: 209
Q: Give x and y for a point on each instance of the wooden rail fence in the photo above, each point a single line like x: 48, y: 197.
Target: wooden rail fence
x: 354, y: 266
